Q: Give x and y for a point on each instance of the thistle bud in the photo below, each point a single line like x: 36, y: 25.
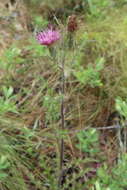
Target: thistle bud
x: 72, y: 23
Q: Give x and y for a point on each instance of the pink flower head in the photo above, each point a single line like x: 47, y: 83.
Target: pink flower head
x: 48, y: 36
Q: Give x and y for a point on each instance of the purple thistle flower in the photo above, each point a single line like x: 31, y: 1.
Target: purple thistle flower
x: 48, y: 36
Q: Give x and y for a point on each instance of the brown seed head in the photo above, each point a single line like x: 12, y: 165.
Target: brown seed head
x: 72, y: 24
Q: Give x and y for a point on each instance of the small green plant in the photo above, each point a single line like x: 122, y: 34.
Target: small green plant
x: 117, y: 179
x: 91, y: 75
x: 121, y: 106
x: 88, y: 141
x: 7, y: 101
x: 4, y: 165
x: 10, y: 58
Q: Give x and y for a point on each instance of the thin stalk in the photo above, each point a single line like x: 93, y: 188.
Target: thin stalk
x: 52, y: 51
x: 62, y: 126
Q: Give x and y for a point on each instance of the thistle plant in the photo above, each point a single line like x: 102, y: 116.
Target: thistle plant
x: 48, y: 38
